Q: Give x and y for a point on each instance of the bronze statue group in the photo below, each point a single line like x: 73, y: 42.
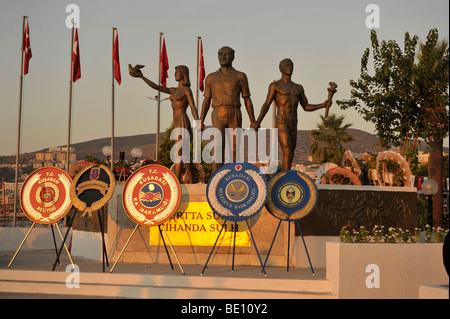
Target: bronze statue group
x: 223, y: 91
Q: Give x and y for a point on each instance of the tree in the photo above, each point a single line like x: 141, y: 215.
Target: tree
x: 8, y: 174
x: 329, y: 138
x: 445, y: 171
x: 386, y: 98
x: 432, y: 81
x: 407, y: 98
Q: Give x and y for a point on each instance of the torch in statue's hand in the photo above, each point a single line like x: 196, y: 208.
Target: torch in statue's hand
x: 331, y: 91
x: 135, y: 71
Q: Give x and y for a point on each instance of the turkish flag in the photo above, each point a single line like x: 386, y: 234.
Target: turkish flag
x: 26, y: 47
x: 202, y: 72
x: 116, y: 60
x: 76, y: 58
x: 164, y: 64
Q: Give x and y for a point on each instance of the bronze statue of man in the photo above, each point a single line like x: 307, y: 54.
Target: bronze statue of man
x: 287, y: 95
x: 223, y: 90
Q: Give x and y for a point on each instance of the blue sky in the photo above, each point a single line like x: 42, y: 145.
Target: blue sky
x: 325, y: 39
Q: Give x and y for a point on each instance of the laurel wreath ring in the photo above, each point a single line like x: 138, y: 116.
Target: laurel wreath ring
x: 82, y: 206
x: 135, y: 215
x: 253, y: 209
x: 32, y: 213
x: 298, y: 214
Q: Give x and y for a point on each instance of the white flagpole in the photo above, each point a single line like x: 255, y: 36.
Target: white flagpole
x: 70, y: 101
x: 19, y: 124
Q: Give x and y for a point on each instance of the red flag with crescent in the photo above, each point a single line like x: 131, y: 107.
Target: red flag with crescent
x: 117, y: 75
x: 202, y: 72
x: 26, y: 47
x: 76, y: 58
x: 164, y: 63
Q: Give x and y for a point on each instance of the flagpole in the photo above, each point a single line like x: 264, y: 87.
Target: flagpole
x: 112, y: 103
x: 159, y: 99
x: 19, y: 124
x: 70, y: 100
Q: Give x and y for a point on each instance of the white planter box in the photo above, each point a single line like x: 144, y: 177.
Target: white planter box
x: 400, y: 268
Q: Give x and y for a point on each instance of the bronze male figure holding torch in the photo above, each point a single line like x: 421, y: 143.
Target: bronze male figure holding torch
x: 287, y: 95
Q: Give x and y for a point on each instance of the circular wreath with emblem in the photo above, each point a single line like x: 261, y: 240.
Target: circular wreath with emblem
x: 237, y: 191
x: 92, y: 187
x: 292, y: 195
x: 45, y: 195
x: 151, y: 195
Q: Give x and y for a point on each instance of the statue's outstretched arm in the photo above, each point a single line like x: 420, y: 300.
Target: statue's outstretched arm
x: 137, y: 73
x: 311, y: 107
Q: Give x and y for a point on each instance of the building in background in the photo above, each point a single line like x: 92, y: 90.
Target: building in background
x: 55, y: 156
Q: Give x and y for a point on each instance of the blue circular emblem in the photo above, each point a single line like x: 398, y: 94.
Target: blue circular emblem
x: 292, y: 195
x: 237, y: 191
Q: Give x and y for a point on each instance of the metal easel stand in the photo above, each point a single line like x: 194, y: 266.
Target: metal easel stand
x: 289, y: 238
x: 64, y: 241
x: 116, y: 242
x: 124, y: 247
x: 162, y: 237
x: 104, y: 254
x: 54, y: 241
x: 234, y: 246
x: 306, y: 249
x: 173, y: 250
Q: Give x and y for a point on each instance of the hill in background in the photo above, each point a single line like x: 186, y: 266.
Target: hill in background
x: 363, y: 142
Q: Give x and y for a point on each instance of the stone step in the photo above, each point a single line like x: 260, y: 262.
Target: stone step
x: 161, y: 286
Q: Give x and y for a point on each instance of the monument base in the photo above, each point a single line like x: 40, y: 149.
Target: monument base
x: 356, y: 206
x: 194, y: 229
x: 142, y: 247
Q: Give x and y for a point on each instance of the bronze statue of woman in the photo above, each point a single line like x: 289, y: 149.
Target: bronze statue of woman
x: 181, y: 98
